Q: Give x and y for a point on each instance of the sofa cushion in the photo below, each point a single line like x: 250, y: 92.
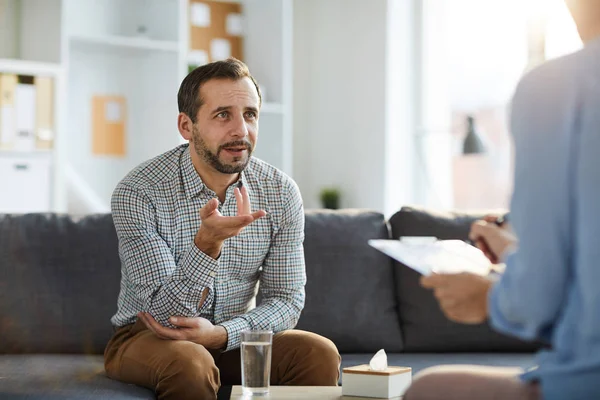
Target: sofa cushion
x: 424, y: 326
x: 62, y: 377
x: 59, y: 282
x: 349, y: 292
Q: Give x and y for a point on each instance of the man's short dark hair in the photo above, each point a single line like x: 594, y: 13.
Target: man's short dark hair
x: 188, y: 97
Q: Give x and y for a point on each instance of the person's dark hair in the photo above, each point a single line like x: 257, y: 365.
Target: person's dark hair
x: 188, y: 97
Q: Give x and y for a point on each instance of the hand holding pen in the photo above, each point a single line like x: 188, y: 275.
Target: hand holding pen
x: 493, y: 236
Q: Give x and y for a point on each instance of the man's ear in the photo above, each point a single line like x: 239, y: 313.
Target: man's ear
x: 185, y: 126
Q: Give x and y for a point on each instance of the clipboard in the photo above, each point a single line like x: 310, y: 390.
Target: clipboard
x: 429, y: 255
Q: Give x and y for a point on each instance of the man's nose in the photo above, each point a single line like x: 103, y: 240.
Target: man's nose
x: 239, y: 128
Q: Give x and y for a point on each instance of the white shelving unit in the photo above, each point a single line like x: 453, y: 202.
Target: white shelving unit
x: 106, y: 56
x: 126, y: 42
x: 31, y: 180
x: 33, y: 177
x: 25, y: 67
x: 137, y: 49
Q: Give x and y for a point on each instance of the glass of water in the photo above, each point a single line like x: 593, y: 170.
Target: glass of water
x: 256, y: 361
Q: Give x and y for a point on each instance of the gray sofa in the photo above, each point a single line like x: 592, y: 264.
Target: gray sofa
x: 59, y: 280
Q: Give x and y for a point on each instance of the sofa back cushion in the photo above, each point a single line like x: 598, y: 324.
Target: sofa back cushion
x: 424, y: 326
x: 59, y: 281
x: 350, y: 295
x: 60, y: 278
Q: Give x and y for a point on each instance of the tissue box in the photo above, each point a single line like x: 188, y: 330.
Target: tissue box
x: 362, y: 381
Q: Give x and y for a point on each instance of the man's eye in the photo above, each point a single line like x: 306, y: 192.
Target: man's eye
x: 222, y: 114
x: 251, y: 114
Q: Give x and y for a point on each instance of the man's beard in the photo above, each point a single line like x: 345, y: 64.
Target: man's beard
x: 213, y: 160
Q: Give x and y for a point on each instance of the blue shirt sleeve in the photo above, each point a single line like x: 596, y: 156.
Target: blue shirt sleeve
x: 527, y: 300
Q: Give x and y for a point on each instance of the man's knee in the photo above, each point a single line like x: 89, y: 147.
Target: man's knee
x: 322, y: 350
x: 314, y: 354
x: 190, y: 373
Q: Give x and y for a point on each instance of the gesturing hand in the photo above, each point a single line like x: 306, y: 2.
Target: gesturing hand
x: 215, y: 227
x: 198, y: 330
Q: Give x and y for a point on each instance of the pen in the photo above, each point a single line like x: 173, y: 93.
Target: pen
x: 501, y: 220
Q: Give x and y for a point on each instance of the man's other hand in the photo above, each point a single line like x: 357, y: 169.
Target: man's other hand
x: 198, y: 330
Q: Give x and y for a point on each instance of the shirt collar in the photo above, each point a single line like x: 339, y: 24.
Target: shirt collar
x: 192, y: 182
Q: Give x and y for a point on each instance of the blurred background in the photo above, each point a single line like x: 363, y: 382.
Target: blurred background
x: 367, y: 103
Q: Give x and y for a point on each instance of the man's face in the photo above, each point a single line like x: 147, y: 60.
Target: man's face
x: 226, y: 127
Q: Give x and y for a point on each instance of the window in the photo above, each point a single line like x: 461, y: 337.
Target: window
x: 487, y: 45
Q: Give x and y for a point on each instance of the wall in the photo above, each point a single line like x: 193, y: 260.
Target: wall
x: 9, y: 29
x: 342, y: 91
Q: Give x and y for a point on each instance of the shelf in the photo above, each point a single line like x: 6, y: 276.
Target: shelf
x: 24, y: 67
x: 26, y: 153
x: 271, y: 108
x: 139, y: 43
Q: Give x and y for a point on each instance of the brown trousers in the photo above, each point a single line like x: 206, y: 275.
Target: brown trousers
x: 179, y: 369
x: 461, y: 382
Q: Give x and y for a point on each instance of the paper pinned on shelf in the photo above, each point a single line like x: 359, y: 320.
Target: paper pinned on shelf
x: 234, y: 25
x: 200, y: 15
x: 113, y: 112
x: 435, y: 256
x: 220, y: 49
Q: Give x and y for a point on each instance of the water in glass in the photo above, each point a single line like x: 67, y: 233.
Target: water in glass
x: 256, y: 367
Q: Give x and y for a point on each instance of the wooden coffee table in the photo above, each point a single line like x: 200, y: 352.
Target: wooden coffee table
x: 300, y: 393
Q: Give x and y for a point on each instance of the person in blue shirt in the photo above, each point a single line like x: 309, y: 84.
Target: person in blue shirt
x: 550, y: 289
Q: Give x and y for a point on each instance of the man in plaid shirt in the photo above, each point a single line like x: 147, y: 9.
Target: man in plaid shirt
x: 193, y: 250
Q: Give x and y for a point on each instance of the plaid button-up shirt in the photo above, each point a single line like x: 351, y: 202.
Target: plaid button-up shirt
x: 156, y: 214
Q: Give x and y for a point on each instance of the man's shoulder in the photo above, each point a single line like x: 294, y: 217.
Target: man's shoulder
x: 265, y: 172
x: 549, y: 91
x: 545, y: 74
x: 156, y: 171
x: 559, y: 74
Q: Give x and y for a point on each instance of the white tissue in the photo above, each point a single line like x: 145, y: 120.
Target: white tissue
x: 379, y: 361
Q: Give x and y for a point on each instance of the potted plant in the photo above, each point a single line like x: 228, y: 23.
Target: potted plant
x: 330, y: 198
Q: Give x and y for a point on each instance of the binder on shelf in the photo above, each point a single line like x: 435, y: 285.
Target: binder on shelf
x: 44, y: 121
x: 108, y: 125
x: 8, y: 87
x: 25, y: 113
x: 216, y: 29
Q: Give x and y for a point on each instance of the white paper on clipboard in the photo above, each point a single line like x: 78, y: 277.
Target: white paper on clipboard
x: 439, y: 256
